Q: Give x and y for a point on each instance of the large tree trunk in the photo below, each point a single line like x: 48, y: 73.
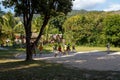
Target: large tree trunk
x: 27, y: 18
x: 29, y: 45
x: 29, y: 50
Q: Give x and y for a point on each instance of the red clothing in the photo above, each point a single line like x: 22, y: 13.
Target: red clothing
x: 59, y: 49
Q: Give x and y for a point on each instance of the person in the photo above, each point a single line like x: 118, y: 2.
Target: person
x: 108, y: 48
x: 40, y: 48
x: 68, y: 48
x: 33, y: 46
x: 73, y: 48
x: 64, y: 49
x: 54, y: 48
x: 59, y: 51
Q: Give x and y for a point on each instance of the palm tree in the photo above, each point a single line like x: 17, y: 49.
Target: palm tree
x: 11, y: 25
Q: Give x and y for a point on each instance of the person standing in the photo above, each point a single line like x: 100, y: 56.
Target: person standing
x: 73, y: 48
x: 40, y: 48
x: 108, y: 48
x: 59, y: 51
x: 33, y: 47
x: 64, y: 49
x: 68, y: 49
x: 55, y: 50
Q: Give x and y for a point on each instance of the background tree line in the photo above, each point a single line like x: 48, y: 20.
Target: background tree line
x: 88, y: 28
x: 94, y: 28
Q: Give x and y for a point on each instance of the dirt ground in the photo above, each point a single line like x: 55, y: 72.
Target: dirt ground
x: 91, y: 60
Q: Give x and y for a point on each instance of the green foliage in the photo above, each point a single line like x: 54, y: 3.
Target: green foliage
x: 9, y: 26
x: 57, y: 22
x: 112, y: 29
x: 94, y: 28
x: 36, y: 23
x: 42, y: 7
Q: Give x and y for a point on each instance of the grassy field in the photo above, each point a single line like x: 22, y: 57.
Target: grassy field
x: 15, y: 69
x: 84, y: 48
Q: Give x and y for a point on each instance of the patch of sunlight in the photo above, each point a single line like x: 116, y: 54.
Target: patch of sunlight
x: 115, y: 53
x: 8, y: 60
x: 67, y: 61
x: 80, y: 61
x: 21, y: 67
x: 106, y: 57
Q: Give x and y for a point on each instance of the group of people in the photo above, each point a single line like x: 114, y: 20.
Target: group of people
x: 59, y: 50
x: 62, y: 50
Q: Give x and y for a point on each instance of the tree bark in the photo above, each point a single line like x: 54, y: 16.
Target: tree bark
x: 29, y: 49
x: 29, y: 45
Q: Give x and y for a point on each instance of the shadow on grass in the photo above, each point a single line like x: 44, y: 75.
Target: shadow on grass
x: 9, y: 54
x: 41, y: 70
x: 34, y: 70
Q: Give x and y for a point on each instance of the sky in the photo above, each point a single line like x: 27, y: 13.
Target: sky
x: 99, y: 5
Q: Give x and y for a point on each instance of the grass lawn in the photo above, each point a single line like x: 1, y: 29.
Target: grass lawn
x: 15, y: 69
x: 83, y: 48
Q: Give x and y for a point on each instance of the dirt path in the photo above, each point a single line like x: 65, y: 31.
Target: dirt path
x: 92, y: 60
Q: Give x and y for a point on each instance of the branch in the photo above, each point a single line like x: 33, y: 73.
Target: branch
x: 46, y: 19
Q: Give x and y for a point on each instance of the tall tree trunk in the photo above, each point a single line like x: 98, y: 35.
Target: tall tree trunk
x: 27, y: 18
x: 29, y: 50
x: 29, y: 45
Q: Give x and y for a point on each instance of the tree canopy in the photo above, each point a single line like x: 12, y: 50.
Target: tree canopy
x: 94, y: 28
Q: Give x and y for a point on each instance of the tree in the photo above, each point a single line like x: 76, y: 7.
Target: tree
x: 8, y: 24
x: 36, y: 24
x: 72, y: 28
x: 57, y: 22
x: 1, y: 20
x: 46, y: 8
x: 112, y: 29
x: 87, y: 26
